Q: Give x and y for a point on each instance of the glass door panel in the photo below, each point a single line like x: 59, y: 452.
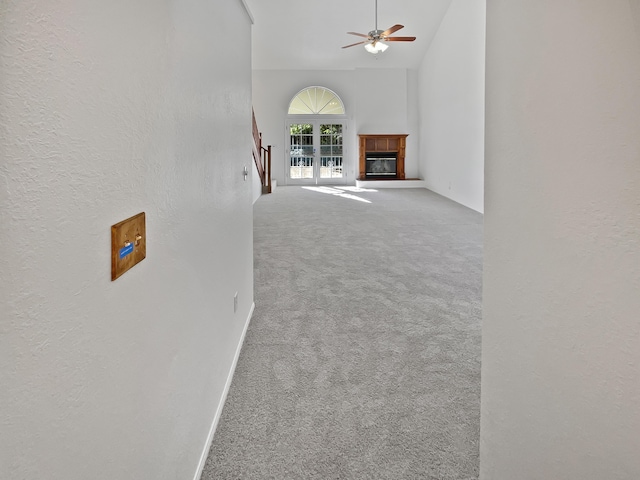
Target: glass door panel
x: 301, y: 152
x: 331, y: 151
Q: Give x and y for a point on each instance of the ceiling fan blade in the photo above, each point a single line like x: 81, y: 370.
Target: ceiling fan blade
x: 358, y: 34
x: 399, y: 39
x: 389, y: 31
x: 353, y: 44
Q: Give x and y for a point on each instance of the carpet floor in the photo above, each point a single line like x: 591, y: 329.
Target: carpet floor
x: 362, y: 359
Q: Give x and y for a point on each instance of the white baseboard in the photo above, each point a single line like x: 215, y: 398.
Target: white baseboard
x: 216, y: 418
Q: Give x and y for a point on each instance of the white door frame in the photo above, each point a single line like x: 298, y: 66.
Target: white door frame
x: 316, y: 121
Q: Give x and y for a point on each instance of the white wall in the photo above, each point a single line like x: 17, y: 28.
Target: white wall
x: 256, y: 183
x: 412, y: 168
x: 381, y: 100
x: 376, y: 101
x: 561, y: 328
x: 451, y: 99
x: 108, y: 109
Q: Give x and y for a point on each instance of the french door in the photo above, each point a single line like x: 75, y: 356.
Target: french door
x: 315, y: 152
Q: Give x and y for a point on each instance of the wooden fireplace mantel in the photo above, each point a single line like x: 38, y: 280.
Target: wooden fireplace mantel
x: 377, y: 143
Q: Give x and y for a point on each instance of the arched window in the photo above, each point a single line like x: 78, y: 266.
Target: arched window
x: 316, y: 101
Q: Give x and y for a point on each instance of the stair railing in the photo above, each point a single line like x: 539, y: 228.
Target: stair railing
x: 261, y: 157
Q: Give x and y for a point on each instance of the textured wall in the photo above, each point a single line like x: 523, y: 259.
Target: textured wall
x: 451, y: 99
x: 561, y: 328
x: 108, y: 109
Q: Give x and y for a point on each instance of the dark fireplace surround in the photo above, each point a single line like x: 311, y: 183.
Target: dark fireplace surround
x: 382, y: 156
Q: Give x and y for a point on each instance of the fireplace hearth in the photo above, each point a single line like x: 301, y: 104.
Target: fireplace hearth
x: 382, y: 156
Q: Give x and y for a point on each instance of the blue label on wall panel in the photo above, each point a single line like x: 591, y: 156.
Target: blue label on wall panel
x: 124, y: 251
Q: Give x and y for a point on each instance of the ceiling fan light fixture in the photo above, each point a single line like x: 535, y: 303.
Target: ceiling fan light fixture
x: 376, y: 47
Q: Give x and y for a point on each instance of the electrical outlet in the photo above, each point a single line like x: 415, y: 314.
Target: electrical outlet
x: 235, y: 303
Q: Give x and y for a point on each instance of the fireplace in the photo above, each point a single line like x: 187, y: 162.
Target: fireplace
x: 381, y: 164
x: 382, y: 156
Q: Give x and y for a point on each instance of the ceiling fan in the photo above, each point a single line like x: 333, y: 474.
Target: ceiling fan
x: 375, y: 39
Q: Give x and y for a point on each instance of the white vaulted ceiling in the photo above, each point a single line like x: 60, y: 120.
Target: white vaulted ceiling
x: 305, y: 35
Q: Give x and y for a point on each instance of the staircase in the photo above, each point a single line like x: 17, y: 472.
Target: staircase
x: 262, y: 157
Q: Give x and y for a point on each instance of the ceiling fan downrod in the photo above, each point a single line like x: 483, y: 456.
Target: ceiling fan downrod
x: 376, y: 22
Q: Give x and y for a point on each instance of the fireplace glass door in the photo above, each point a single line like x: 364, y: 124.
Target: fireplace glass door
x: 381, y: 165
x: 315, y: 153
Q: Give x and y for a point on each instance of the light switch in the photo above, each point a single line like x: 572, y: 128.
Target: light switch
x: 128, y: 244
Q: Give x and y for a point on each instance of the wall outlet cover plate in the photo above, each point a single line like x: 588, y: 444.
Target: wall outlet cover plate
x: 128, y: 244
